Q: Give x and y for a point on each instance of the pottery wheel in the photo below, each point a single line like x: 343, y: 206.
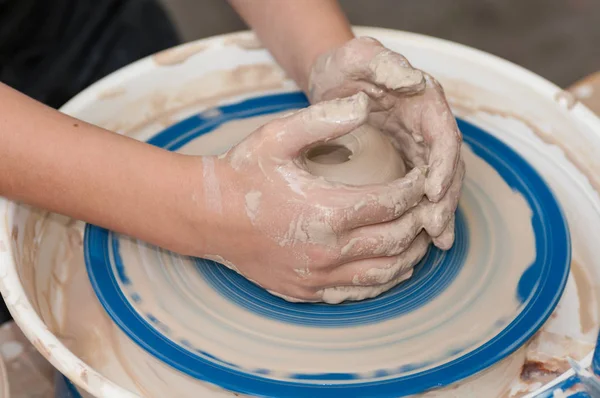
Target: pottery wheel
x: 462, y: 311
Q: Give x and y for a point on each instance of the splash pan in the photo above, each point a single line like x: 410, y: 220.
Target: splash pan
x: 462, y: 311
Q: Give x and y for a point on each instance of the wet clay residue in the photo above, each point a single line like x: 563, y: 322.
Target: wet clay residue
x: 158, y: 102
x: 178, y: 55
x: 546, y: 360
x: 15, y: 234
x: 244, y: 41
x: 566, y: 99
x: 585, y: 291
x: 113, y: 92
x: 539, y: 372
x: 205, y: 91
x: 41, y: 347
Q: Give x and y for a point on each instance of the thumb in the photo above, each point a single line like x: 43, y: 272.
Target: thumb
x: 392, y: 71
x: 318, y: 123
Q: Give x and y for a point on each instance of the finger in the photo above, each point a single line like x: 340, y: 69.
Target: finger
x: 339, y: 294
x: 385, y: 239
x: 366, y: 65
x: 298, y: 296
x: 436, y: 216
x: 364, y: 46
x: 446, y: 239
x: 288, y: 137
x: 366, y: 58
x: 358, y: 206
x: 441, y: 132
x: 380, y: 272
x: 392, y: 71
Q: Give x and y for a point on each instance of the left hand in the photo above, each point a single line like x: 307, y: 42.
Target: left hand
x: 410, y: 108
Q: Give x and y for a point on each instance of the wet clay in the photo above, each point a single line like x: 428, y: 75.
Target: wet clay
x: 111, y: 93
x: 364, y: 156
x: 155, y: 109
x: 585, y: 291
x: 178, y: 55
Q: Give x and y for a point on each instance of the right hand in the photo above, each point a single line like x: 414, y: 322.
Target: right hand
x: 297, y: 235
x: 412, y: 109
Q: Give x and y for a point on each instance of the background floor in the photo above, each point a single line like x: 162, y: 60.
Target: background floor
x: 558, y: 39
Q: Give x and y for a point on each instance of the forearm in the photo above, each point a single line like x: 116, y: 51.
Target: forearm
x: 53, y: 161
x: 296, y: 32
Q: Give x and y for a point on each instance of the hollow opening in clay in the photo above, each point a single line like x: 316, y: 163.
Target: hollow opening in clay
x: 329, y: 154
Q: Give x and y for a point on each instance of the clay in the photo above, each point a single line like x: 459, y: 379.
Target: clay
x: 244, y: 42
x: 585, y: 291
x: 178, y: 55
x: 468, y: 100
x: 155, y: 109
x: 364, y: 156
x: 111, y: 93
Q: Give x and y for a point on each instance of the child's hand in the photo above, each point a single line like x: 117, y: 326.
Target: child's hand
x: 298, y: 235
x: 410, y: 107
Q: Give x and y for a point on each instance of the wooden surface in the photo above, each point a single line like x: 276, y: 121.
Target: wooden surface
x: 588, y: 92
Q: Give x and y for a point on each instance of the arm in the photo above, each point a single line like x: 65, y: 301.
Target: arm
x: 296, y: 32
x: 51, y: 160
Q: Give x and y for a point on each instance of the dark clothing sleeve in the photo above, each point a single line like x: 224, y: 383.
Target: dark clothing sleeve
x: 53, y: 49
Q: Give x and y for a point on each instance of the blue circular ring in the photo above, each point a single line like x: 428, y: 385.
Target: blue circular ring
x: 431, y: 276
x: 540, y: 287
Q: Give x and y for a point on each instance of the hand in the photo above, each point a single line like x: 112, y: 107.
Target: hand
x: 300, y: 236
x: 412, y: 109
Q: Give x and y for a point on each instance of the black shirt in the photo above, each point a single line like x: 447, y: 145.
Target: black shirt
x: 52, y: 49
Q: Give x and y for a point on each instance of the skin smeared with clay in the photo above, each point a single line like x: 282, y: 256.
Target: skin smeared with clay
x: 410, y: 105
x: 352, y: 222
x: 340, y: 236
x: 410, y: 108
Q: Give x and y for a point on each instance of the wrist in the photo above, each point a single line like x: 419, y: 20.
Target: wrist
x: 205, y: 206
x: 188, y: 214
